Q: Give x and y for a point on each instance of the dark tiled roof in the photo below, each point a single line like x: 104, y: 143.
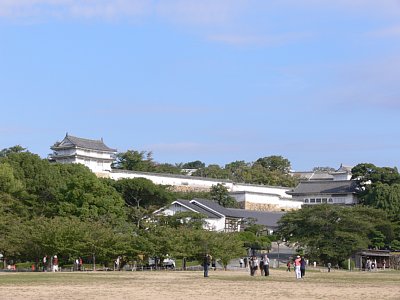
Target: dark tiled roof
x: 324, y: 187
x: 210, y: 204
x: 86, y: 143
x: 265, y: 218
x: 198, y: 209
x: 321, y: 176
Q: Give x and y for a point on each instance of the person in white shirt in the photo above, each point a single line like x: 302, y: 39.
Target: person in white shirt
x: 266, y: 265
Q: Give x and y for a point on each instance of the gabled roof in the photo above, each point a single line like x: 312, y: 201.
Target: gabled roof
x: 325, y: 187
x: 265, y: 218
x: 196, y: 208
x: 210, y: 205
x: 74, y: 141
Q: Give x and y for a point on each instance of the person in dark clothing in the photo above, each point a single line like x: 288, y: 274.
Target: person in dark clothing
x: 302, y: 267
x: 261, y: 266
x: 288, y: 266
x: 206, y: 263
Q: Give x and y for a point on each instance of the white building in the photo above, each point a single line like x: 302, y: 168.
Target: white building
x: 98, y: 157
x: 219, y: 218
x: 92, y: 153
x: 249, y: 196
x: 333, y: 188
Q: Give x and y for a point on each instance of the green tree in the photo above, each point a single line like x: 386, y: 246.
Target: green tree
x: 8, y: 183
x: 220, y: 194
x: 275, y: 163
x: 225, y: 246
x: 332, y: 233
x: 379, y: 187
x: 212, y: 171
x: 14, y: 149
x: 142, y: 192
x: 238, y: 170
x: 197, y: 164
x: 135, y: 161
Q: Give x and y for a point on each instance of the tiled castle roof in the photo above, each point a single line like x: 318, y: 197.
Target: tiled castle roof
x: 70, y: 140
x: 324, y: 187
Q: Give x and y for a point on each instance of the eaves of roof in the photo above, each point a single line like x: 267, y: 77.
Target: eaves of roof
x: 327, y: 187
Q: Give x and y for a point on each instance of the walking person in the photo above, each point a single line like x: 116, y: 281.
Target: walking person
x: 297, y: 267
x: 253, y: 265
x: 266, y: 265
x: 329, y: 266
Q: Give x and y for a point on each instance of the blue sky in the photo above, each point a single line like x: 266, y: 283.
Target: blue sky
x: 317, y: 82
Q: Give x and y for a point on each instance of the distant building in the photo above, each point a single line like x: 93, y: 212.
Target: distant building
x: 98, y: 157
x: 343, y: 173
x: 333, y: 188
x: 219, y: 218
x: 92, y: 153
x: 249, y: 196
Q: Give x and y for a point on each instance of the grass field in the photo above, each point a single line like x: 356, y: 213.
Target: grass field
x: 191, y: 285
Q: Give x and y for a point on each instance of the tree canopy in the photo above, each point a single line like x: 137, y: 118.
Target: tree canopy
x: 64, y: 209
x: 379, y: 187
x: 333, y: 233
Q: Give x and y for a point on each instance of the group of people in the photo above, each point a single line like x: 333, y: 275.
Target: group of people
x: 52, y: 263
x: 262, y: 264
x: 370, y: 264
x: 78, y: 264
x: 299, y: 267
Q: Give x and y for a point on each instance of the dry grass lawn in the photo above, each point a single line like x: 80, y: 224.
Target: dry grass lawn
x: 191, y: 285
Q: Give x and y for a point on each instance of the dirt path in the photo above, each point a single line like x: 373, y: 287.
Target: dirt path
x: 228, y: 285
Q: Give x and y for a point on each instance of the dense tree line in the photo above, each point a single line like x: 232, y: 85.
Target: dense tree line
x: 64, y: 209
x: 330, y: 233
x: 272, y: 170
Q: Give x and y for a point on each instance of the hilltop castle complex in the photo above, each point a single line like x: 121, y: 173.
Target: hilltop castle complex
x: 316, y: 188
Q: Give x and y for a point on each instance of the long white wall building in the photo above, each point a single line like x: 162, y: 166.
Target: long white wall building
x: 98, y: 157
x: 249, y: 196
